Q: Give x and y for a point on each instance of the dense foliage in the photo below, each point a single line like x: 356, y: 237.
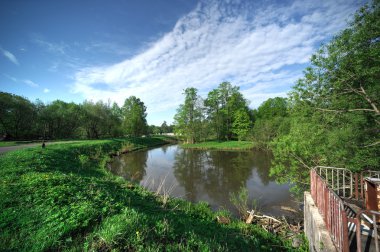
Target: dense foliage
x: 223, y: 115
x: 62, y: 199
x: 332, y: 114
x: 23, y: 119
x: 134, y: 114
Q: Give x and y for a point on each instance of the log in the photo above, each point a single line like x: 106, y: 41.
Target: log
x: 250, y: 217
x: 267, y: 217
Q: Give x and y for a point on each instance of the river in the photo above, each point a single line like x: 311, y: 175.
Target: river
x: 211, y: 176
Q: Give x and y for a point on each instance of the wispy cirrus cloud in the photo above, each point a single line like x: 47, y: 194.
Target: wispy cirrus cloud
x: 53, y: 47
x: 10, y: 56
x: 261, y: 49
x: 31, y: 83
x: 10, y: 77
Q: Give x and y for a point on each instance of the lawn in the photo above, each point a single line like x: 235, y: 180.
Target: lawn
x: 62, y: 198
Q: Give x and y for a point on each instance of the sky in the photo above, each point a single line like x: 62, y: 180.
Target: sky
x: 153, y: 49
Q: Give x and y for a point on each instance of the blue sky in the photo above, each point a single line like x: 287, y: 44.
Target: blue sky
x: 109, y: 50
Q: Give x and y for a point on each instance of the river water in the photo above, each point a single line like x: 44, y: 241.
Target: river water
x: 211, y: 176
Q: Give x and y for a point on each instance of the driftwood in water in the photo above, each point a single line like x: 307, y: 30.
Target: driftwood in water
x: 250, y: 217
x: 273, y: 225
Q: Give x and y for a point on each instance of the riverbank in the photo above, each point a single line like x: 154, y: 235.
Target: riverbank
x: 216, y: 145
x: 62, y: 198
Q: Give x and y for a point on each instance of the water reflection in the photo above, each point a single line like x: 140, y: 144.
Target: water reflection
x: 206, y: 175
x: 131, y: 167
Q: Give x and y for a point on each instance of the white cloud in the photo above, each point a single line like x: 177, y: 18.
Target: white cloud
x: 46, y: 90
x: 58, y: 48
x: 31, y: 83
x: 260, y: 49
x: 10, y: 77
x: 9, y: 56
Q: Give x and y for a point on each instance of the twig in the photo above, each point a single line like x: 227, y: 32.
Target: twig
x: 267, y: 217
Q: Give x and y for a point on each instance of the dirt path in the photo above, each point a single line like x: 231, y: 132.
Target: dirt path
x: 17, y: 147
x: 23, y: 146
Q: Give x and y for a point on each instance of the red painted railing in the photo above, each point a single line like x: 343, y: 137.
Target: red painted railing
x: 375, y: 217
x: 331, y: 208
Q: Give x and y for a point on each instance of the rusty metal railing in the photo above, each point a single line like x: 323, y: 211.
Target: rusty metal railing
x: 373, y: 226
x: 345, y: 183
x: 332, y: 210
x: 328, y: 186
x: 340, y: 180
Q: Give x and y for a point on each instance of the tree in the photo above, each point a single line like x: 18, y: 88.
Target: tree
x: 189, y: 117
x: 335, y: 106
x: 241, y: 124
x: 271, y: 121
x: 17, y: 117
x: 134, y: 113
x: 164, y: 127
x: 214, y: 114
x: 221, y: 105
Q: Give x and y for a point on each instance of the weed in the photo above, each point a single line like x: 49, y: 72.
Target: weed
x: 240, y: 201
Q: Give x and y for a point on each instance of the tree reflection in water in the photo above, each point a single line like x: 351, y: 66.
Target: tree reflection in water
x: 205, y: 175
x: 131, y: 167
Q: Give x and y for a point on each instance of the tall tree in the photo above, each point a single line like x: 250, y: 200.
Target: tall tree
x: 189, y: 117
x: 164, y: 127
x: 134, y: 112
x: 241, y: 124
x: 17, y: 116
x: 271, y: 120
x: 221, y: 105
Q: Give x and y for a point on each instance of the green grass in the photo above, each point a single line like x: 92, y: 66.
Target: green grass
x: 226, y: 145
x: 62, y: 198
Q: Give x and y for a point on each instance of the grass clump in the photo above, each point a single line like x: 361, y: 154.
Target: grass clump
x: 216, y: 145
x: 62, y: 198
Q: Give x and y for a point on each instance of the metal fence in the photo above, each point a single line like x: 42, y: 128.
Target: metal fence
x: 362, y: 216
x: 329, y: 187
x: 332, y: 210
x: 345, y: 183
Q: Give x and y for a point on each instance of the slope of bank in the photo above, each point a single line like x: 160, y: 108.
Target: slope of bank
x: 62, y: 198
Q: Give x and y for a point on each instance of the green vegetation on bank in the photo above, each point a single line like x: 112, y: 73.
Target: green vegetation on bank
x: 216, y: 145
x: 63, y: 198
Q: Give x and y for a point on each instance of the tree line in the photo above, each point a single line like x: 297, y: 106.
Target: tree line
x: 21, y: 119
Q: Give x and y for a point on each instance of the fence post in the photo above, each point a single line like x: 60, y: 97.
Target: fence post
x: 356, y: 187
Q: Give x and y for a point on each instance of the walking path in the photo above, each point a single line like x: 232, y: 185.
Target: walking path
x: 23, y: 146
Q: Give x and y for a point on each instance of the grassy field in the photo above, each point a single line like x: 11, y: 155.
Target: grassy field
x: 62, y: 198
x: 227, y: 145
